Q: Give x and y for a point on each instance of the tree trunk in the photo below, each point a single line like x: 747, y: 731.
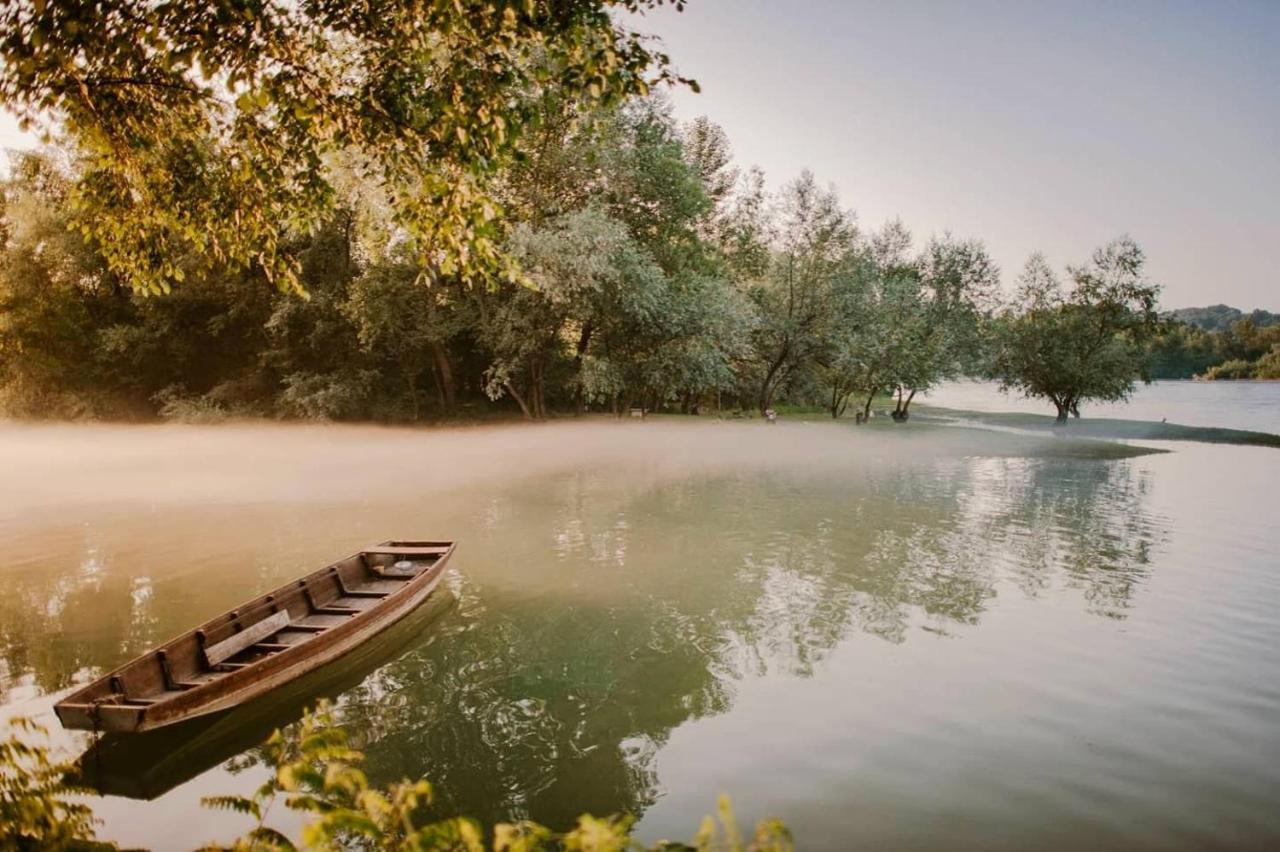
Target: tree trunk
x: 866, y: 409
x: 413, y: 393
x: 1064, y: 409
x: 584, y: 340
x: 448, y: 388
x: 767, y: 386
x: 435, y: 379
x: 898, y: 414
x: 411, y: 383
x: 839, y: 399
x: 515, y: 394
x: 537, y: 399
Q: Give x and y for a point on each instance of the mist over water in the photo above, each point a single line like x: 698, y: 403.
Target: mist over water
x: 890, y: 637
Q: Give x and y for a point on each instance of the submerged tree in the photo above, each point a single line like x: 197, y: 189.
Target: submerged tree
x: 1088, y: 343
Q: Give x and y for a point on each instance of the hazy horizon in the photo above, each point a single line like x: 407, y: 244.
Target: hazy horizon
x: 1033, y: 128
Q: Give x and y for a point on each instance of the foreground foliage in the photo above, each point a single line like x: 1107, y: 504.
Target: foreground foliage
x: 315, y: 771
x: 36, y: 810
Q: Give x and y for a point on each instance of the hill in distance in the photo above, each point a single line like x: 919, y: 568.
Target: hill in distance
x: 1221, y: 317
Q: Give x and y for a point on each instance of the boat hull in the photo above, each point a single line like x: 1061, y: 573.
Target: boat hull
x: 88, y: 711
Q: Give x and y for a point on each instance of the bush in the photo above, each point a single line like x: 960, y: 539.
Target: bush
x: 1234, y: 369
x: 34, y: 811
x: 317, y: 772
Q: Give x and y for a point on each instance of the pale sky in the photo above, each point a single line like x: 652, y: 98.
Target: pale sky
x: 1032, y: 125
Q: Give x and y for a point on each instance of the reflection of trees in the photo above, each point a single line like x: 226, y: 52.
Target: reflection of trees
x: 649, y: 603
x: 533, y: 710
x: 596, y: 613
x: 1085, y: 523
x: 51, y: 619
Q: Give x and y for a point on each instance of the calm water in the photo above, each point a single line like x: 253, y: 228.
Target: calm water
x: 892, y: 637
x: 1231, y: 405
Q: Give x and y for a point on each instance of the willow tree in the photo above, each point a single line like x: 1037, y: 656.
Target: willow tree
x: 205, y: 126
x: 1088, y: 342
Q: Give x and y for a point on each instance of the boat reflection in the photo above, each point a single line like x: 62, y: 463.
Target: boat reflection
x: 148, y: 765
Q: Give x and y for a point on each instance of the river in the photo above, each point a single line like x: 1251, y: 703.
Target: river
x: 890, y: 637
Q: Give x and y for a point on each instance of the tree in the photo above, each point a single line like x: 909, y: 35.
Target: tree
x: 746, y: 230
x: 882, y: 302
x: 1088, y: 343
x: 955, y: 280
x: 399, y: 316
x: 708, y: 153
x: 205, y: 127
x: 815, y: 247
x: 579, y: 267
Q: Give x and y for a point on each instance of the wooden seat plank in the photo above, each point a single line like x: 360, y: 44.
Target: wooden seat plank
x: 357, y: 603
x: 320, y: 620
x: 405, y: 551
x: 148, y: 700
x: 331, y: 609
x: 251, y: 635
x: 293, y: 637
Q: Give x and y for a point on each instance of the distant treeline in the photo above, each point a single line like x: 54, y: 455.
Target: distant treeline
x: 646, y: 270
x: 1217, y: 342
x: 1221, y: 317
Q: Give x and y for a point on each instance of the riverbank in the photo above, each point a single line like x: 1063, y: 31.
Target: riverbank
x: 1096, y: 427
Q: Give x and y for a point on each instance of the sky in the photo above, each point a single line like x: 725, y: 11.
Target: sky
x: 1034, y: 126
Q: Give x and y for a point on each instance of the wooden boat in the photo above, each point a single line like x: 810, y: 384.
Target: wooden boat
x: 263, y: 643
x: 149, y: 764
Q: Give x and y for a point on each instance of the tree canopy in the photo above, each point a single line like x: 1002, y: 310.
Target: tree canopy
x: 1082, y: 343
x: 205, y: 129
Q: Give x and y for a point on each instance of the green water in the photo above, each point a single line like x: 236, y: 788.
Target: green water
x: 891, y: 638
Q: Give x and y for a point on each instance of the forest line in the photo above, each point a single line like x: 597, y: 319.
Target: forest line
x: 648, y: 270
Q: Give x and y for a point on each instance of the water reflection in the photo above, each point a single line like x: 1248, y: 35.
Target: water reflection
x: 596, y: 612
x: 147, y: 765
x: 547, y: 700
